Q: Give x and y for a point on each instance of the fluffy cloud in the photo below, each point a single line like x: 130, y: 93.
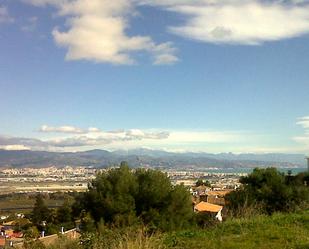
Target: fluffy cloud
x: 249, y: 22
x: 7, y: 141
x: 93, y: 137
x: 4, y: 15
x: 67, y: 129
x: 82, y: 137
x: 104, y: 138
x: 96, y: 30
x: 198, y: 141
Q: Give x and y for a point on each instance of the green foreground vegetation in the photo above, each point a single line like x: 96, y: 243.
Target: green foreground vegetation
x: 278, y: 231
x: 126, y: 208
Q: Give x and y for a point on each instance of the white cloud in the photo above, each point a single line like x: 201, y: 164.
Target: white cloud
x: 109, y: 137
x: 177, y: 140
x: 80, y: 137
x: 68, y: 129
x: 9, y: 142
x: 249, y: 22
x: 5, y: 16
x: 207, y: 141
x: 304, y: 122
x: 304, y: 139
x: 93, y: 137
x: 15, y: 147
x: 96, y: 30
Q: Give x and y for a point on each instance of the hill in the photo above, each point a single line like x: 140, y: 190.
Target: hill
x: 277, y: 231
x: 261, y: 232
x: 144, y: 157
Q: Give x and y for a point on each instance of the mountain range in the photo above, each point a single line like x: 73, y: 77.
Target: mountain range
x: 146, y: 157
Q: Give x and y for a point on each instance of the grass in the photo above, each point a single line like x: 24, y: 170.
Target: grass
x: 279, y: 231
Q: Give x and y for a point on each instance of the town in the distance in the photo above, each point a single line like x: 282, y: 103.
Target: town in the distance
x: 22, y: 186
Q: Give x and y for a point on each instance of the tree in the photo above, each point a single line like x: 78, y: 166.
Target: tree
x: 111, y: 196
x: 40, y: 211
x: 31, y: 233
x: 270, y: 190
x: 200, y: 182
x: 122, y: 197
x: 64, y: 213
x: 22, y: 224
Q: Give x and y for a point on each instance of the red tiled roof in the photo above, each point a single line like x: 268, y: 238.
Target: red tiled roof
x: 207, y: 207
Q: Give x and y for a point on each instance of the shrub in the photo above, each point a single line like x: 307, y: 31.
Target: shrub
x: 122, y: 197
x: 268, y: 191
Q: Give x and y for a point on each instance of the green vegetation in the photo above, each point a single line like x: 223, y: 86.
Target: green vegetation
x: 126, y: 208
x: 200, y: 182
x: 268, y: 191
x: 24, y: 202
x: 277, y: 231
x: 122, y: 197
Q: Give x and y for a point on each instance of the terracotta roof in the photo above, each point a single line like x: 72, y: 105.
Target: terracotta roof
x: 207, y: 207
x: 2, y: 241
x: 219, y: 192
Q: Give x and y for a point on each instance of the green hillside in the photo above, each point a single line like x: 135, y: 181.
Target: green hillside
x: 278, y: 231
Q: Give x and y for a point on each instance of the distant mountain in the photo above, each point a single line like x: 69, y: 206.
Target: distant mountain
x: 298, y: 159
x: 145, y: 157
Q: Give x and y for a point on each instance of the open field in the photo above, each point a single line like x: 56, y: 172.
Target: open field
x: 24, y: 202
x: 24, y: 205
x: 24, y: 187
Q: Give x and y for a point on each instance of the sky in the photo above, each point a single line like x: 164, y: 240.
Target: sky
x: 176, y: 75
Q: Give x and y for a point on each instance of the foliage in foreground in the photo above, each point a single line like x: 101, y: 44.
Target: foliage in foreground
x: 268, y: 191
x: 277, y: 231
x: 122, y: 198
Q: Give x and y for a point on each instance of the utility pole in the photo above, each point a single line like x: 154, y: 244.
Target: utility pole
x: 307, y: 163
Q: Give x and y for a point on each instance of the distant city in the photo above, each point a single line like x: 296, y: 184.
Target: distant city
x: 36, y: 171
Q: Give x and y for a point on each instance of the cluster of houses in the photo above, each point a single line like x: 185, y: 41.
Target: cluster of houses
x: 11, y: 238
x: 8, y: 236
x: 209, y: 200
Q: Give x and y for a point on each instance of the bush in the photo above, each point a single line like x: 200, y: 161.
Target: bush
x: 268, y: 191
x: 122, y: 197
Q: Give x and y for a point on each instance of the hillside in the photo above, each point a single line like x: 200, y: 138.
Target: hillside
x: 262, y: 232
x: 102, y: 158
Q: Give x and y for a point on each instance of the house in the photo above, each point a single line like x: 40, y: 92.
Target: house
x: 200, y: 190
x: 2, y: 242
x: 216, y: 197
x: 206, y: 207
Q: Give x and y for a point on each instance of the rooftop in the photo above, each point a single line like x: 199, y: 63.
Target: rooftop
x: 207, y: 207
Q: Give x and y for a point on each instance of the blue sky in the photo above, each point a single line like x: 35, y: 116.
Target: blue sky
x: 200, y: 75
